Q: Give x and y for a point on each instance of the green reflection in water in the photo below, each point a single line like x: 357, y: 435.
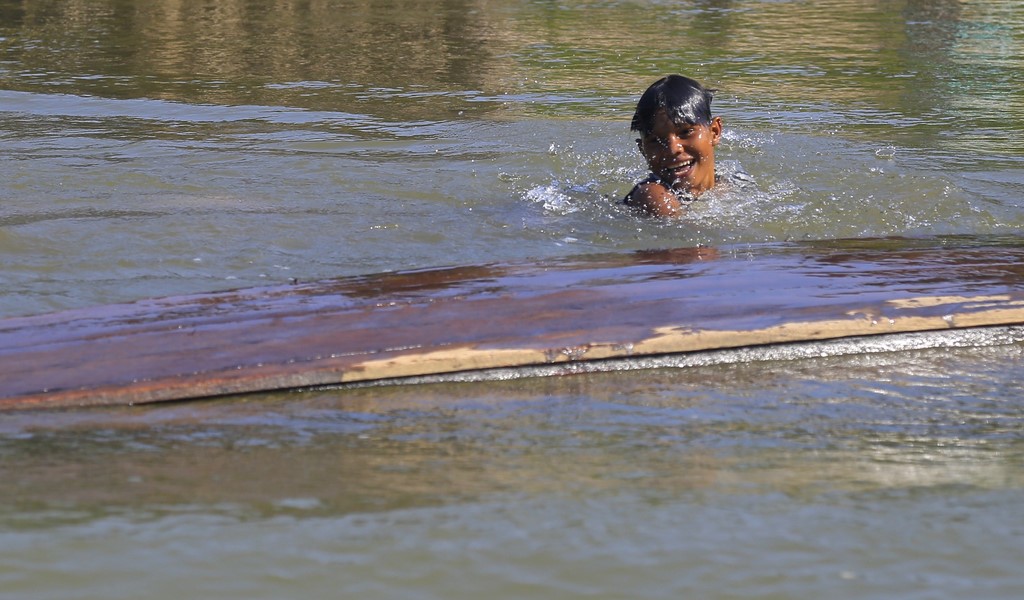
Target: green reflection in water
x: 897, y: 65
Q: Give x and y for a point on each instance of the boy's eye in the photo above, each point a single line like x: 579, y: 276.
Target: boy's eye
x: 682, y: 133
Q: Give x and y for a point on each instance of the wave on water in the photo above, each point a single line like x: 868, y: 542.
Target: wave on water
x: 67, y: 105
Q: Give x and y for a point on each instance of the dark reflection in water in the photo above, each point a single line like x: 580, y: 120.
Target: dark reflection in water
x: 252, y: 51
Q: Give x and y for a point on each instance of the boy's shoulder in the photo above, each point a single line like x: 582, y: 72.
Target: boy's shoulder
x: 654, y: 180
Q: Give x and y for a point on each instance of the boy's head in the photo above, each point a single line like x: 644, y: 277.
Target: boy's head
x: 678, y: 133
x: 682, y: 98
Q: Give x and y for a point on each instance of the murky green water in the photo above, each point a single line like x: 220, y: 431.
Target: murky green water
x: 161, y: 147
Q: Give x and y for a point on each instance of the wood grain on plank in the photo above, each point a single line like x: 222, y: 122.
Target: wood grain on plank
x: 501, y: 316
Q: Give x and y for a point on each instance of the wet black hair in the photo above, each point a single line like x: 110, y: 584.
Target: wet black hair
x: 685, y: 100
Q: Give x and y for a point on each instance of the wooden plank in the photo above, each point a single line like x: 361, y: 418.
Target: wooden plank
x: 501, y: 316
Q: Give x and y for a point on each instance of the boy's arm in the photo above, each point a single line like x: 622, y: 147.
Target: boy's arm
x: 656, y: 200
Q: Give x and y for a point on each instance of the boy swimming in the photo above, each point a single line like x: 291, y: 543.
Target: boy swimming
x: 678, y: 139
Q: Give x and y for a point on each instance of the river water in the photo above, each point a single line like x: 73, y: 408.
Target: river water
x: 161, y: 147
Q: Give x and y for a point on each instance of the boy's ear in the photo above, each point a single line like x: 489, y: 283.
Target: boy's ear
x: 640, y: 145
x: 716, y: 130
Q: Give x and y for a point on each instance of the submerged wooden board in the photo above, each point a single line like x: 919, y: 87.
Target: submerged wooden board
x: 589, y: 308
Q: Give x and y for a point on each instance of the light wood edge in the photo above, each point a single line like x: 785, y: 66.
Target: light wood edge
x: 667, y: 340
x: 673, y: 340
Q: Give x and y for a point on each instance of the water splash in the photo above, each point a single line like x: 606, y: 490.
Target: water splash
x: 552, y: 199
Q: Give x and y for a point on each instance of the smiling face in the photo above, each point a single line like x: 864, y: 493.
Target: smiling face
x: 680, y: 154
